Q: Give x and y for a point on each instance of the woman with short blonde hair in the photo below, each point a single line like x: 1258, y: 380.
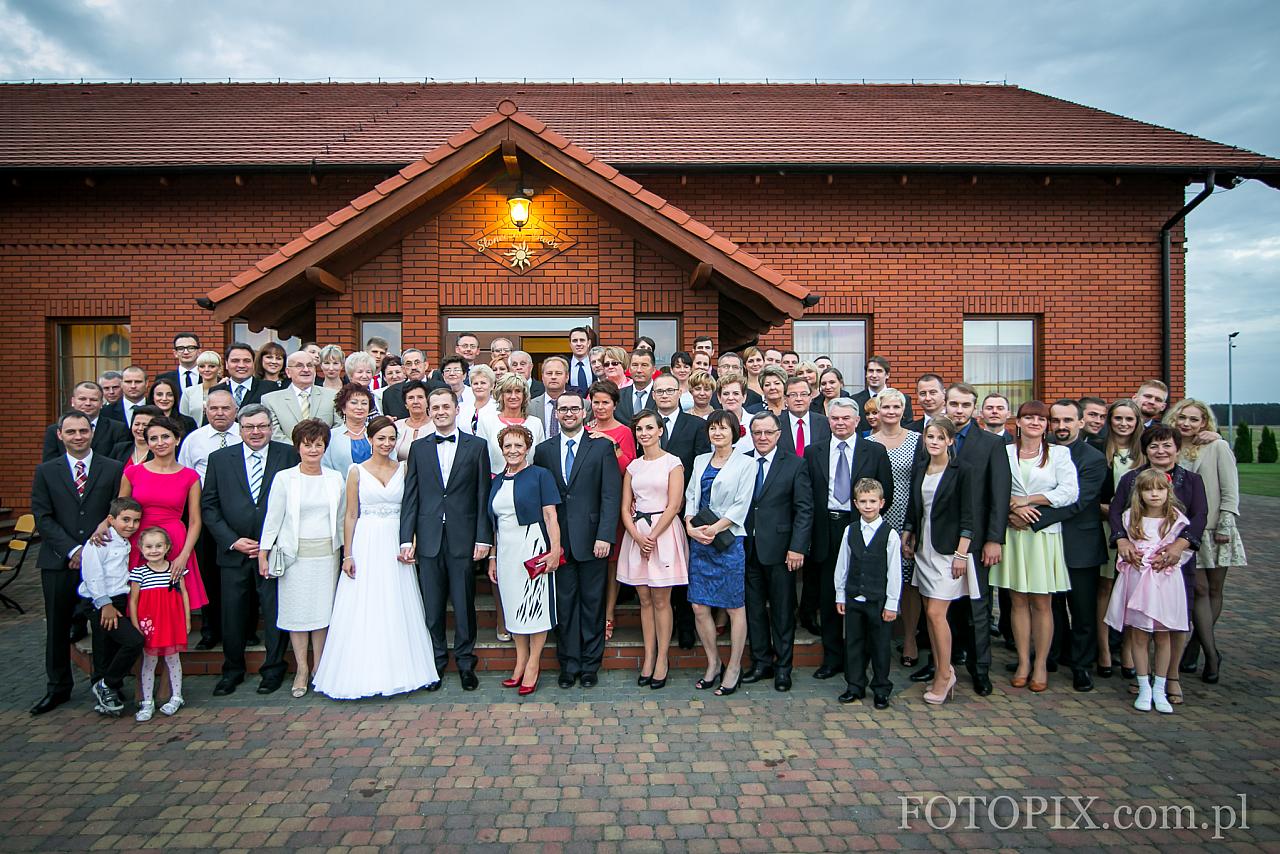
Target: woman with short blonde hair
x: 209, y: 367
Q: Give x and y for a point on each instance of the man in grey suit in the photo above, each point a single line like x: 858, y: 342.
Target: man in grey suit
x: 301, y: 400
x: 638, y: 396
x: 555, y: 373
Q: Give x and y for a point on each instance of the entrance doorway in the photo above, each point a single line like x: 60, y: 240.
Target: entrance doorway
x: 539, y: 336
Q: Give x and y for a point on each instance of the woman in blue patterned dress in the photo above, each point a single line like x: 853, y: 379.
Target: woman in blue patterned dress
x: 721, y: 486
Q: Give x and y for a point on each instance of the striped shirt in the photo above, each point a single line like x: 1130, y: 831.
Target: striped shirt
x: 150, y: 579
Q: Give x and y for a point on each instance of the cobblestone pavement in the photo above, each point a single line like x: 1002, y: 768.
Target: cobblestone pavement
x: 619, y: 768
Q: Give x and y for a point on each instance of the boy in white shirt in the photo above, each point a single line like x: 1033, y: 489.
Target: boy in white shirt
x: 868, y: 580
x: 104, y: 574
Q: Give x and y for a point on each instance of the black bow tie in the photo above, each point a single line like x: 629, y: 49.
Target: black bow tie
x: 440, y: 438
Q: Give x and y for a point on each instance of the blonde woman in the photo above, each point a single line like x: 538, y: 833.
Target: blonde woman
x: 753, y: 363
x: 482, y: 382
x: 1124, y: 453
x: 512, y: 397
x: 616, y: 362
x: 209, y: 367
x: 332, y: 365
x: 702, y: 386
x: 1221, y: 548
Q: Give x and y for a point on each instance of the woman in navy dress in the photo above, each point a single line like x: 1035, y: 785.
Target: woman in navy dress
x: 722, y: 483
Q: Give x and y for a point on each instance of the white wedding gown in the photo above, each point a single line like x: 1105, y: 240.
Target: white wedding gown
x: 378, y: 642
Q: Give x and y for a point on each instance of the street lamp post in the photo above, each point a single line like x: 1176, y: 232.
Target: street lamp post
x: 1231, y: 415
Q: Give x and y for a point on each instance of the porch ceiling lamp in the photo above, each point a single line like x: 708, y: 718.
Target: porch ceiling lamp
x: 519, y: 205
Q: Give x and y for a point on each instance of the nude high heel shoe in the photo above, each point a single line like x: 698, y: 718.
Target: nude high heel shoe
x: 938, y: 699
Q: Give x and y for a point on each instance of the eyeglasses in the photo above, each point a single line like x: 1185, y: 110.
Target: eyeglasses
x: 186, y: 347
x: 763, y: 433
x: 254, y: 428
x: 568, y: 409
x: 665, y: 390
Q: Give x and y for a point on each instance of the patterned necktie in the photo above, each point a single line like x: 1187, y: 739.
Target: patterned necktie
x: 304, y: 404
x: 800, y: 437
x: 222, y: 440
x: 755, y: 493
x: 255, y: 475
x: 842, y: 489
x: 239, y: 395
x: 82, y: 477
x: 568, y: 459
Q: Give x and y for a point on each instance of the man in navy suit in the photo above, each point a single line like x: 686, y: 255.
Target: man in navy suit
x: 447, y: 477
x: 801, y: 427
x: 70, y: 496
x: 638, y: 396
x: 186, y: 349
x: 580, y: 374
x: 586, y: 473
x: 86, y: 397
x: 877, y: 378
x: 233, y: 505
x: 245, y: 388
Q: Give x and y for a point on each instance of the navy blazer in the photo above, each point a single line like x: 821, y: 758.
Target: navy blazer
x: 1187, y: 488
x: 591, y: 500
x: 1083, y: 541
x: 535, y: 489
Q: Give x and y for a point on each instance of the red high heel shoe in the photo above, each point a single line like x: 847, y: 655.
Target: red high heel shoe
x: 526, y: 690
x: 510, y: 683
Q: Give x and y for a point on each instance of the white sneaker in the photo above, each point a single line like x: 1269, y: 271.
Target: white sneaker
x: 171, y: 708
x: 1162, y: 704
x: 145, y: 711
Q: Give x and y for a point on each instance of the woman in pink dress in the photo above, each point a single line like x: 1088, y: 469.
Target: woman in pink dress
x: 165, y: 490
x: 654, y: 556
x: 603, y: 397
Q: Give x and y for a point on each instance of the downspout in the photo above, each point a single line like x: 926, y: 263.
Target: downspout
x: 1166, y: 287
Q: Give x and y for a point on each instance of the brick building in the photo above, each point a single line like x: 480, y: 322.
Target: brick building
x: 983, y: 232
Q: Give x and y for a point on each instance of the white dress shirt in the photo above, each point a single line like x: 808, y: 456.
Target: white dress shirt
x: 893, y: 551
x: 645, y: 395
x: 187, y: 377
x: 203, y: 442
x: 573, y: 370
x: 88, y: 467
x: 795, y: 430
x: 247, y: 385
x: 564, y: 450
x: 833, y: 460
x: 446, y: 451
x: 104, y: 571
x: 128, y: 406
x: 303, y: 394
x: 668, y: 424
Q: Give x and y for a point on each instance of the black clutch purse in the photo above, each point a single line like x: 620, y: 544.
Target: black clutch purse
x: 724, y: 540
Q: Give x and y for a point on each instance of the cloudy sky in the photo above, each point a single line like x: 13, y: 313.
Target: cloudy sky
x: 1211, y: 69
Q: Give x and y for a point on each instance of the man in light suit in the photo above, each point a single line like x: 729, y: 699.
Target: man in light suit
x: 779, y: 527
x: 70, y: 496
x: 586, y: 473
x: 833, y: 470
x: 447, y: 477
x: 638, y: 396
x: 301, y: 400
x: 86, y: 397
x: 555, y: 373
x: 233, y: 506
x: 877, y: 377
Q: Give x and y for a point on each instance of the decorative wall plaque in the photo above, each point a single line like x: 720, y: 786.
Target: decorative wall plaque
x: 520, y: 249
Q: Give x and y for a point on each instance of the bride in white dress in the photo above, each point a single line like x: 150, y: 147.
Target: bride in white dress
x: 378, y: 642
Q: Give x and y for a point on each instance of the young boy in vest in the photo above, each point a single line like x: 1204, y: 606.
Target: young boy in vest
x: 868, y: 586
x: 104, y: 573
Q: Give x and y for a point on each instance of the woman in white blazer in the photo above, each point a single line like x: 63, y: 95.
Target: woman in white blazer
x: 716, y: 502
x: 191, y: 404
x: 301, y: 537
x: 1032, y: 566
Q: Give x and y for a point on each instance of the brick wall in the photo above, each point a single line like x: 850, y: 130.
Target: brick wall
x: 1080, y: 254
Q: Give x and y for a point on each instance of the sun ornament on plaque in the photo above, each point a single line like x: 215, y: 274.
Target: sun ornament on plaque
x: 520, y: 249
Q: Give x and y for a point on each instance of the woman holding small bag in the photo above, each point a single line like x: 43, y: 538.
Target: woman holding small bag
x: 716, y: 504
x: 522, y: 501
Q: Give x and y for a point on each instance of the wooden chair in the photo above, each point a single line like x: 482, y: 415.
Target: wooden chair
x: 11, y: 567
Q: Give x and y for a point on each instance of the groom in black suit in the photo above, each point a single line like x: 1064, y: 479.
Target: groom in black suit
x: 447, y: 478
x: 233, y: 506
x: 70, y: 496
x: 586, y: 473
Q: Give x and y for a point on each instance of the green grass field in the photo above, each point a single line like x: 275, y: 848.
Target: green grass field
x: 1260, y: 479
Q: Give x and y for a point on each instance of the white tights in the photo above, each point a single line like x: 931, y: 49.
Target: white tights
x: 171, y: 662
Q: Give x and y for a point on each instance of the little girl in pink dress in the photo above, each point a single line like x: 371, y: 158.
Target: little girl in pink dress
x: 1149, y: 603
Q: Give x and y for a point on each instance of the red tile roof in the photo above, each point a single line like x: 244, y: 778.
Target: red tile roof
x: 627, y: 125
x: 730, y: 261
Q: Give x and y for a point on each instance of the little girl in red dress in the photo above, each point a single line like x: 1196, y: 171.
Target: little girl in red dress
x: 160, y: 610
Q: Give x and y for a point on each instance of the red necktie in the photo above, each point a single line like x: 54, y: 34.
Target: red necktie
x: 82, y: 477
x: 800, y: 438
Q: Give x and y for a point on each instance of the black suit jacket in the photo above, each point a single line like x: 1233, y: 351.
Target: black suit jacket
x: 226, y: 506
x: 114, y: 411
x: 984, y: 454
x: 393, y: 397
x: 464, y: 499
x: 819, y: 431
x: 863, y: 396
x: 573, y: 380
x: 63, y: 518
x: 870, y: 459
x: 176, y: 378
x: 952, y: 516
x: 106, y: 435
x: 257, y: 388
x: 688, y: 439
x: 591, y: 500
x: 1083, y: 540
x: 626, y: 409
x: 782, y: 514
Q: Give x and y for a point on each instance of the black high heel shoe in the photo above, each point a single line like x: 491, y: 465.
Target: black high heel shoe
x: 643, y: 680
x: 1105, y: 672
x: 1128, y: 672
x: 724, y: 690
x: 658, y: 684
x: 908, y: 661
x: 1211, y: 678
x: 704, y: 684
